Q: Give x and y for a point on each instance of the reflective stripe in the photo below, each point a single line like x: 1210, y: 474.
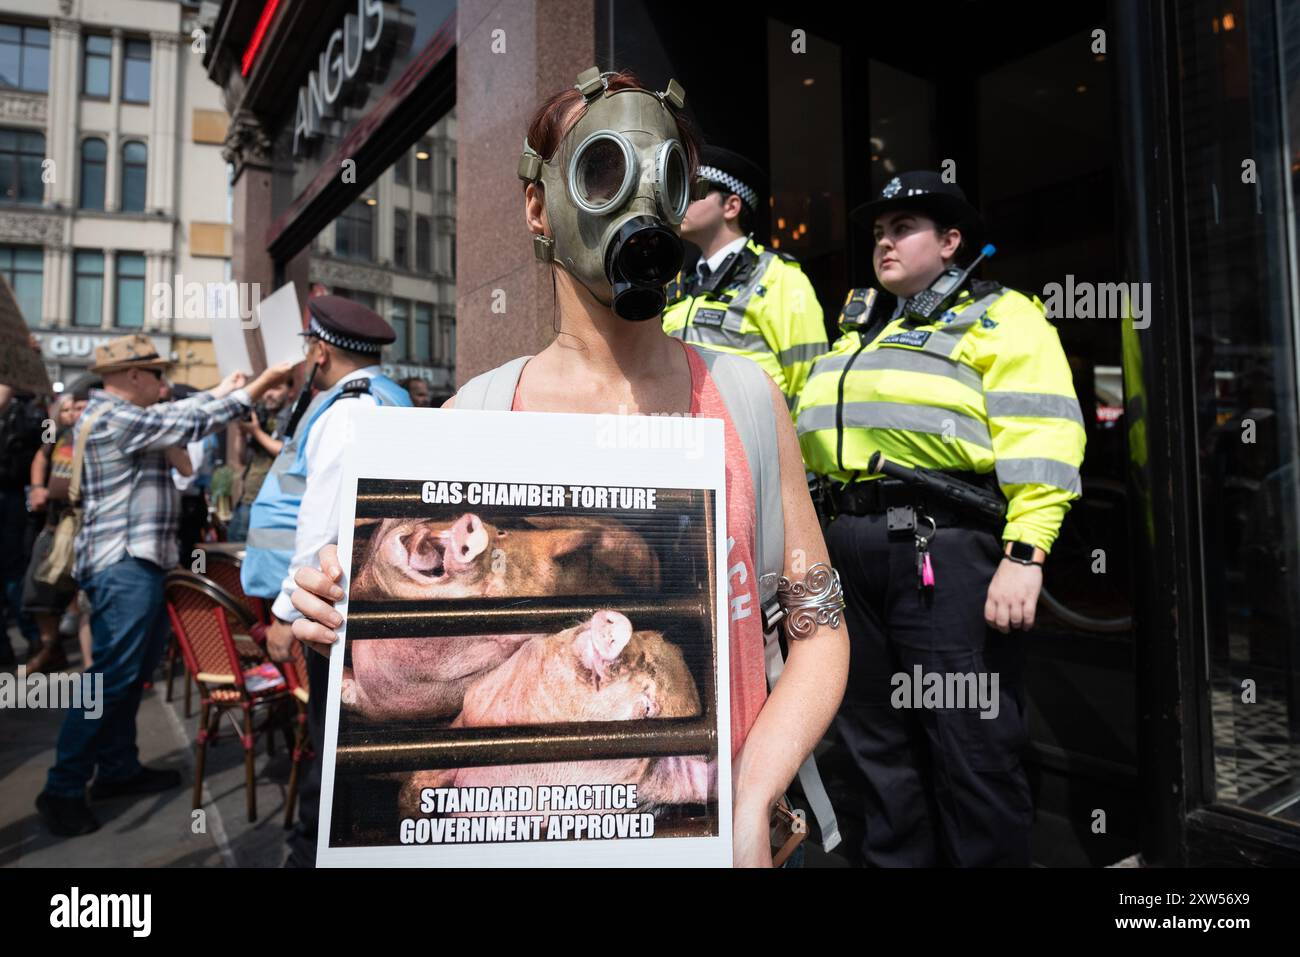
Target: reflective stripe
x: 284, y: 461
x: 1039, y: 472
x: 803, y: 353
x: 906, y: 360
x: 292, y: 484
x: 735, y: 320
x: 709, y: 336
x: 1044, y: 405
x: 945, y: 339
x: 929, y: 419
x: 272, y: 539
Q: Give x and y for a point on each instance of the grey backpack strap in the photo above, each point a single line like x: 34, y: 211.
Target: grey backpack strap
x: 493, y: 390
x: 744, y: 390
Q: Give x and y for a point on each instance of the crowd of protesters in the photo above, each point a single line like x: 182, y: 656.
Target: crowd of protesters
x: 166, y: 466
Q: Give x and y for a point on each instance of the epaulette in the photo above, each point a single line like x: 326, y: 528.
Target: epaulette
x: 788, y: 257
x: 354, y: 387
x: 979, y: 288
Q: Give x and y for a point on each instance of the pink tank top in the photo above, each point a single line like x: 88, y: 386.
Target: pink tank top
x: 748, y: 680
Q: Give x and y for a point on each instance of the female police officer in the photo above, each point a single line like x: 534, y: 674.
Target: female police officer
x: 979, y: 388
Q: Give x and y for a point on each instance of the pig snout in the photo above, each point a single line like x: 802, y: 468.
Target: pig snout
x: 469, y: 539
x: 603, y: 639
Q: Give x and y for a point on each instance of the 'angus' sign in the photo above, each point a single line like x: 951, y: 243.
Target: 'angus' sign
x: 339, y: 67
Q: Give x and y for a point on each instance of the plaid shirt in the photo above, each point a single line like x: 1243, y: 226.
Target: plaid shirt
x: 130, y: 506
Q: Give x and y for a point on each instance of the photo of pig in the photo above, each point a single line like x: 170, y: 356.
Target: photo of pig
x: 599, y: 670
x: 469, y: 557
x: 432, y: 559
x: 469, y: 625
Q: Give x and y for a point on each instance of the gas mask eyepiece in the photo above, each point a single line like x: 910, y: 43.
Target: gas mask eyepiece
x: 616, y: 189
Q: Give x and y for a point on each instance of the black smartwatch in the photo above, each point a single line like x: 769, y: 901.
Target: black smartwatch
x: 1022, y: 553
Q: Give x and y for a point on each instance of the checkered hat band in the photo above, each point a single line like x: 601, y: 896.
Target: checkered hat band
x: 715, y: 175
x: 314, y: 328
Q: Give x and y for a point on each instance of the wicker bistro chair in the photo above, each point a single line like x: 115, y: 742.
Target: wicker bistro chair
x: 221, y: 565
x: 218, y: 655
x: 223, y: 562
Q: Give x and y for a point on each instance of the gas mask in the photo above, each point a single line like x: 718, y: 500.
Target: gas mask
x: 616, y: 189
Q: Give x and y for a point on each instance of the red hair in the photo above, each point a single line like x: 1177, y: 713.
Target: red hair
x: 551, y: 121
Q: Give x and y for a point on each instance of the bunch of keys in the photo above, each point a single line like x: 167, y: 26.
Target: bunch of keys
x: 924, y: 569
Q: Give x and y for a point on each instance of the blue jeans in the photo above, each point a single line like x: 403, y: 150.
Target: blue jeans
x: 128, y: 628
x: 237, y: 527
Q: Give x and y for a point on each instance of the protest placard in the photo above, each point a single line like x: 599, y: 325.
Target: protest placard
x: 279, y: 324
x: 531, y: 669
x: 231, y: 347
x: 20, y: 364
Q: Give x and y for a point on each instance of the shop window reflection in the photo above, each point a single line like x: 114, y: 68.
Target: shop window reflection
x: 354, y: 232
x: 389, y: 251
x: 1244, y: 345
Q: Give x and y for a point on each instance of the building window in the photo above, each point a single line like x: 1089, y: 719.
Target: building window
x: 423, y: 257
x: 23, y: 266
x: 21, y: 155
x: 88, y: 289
x: 97, y: 67
x: 398, y: 319
x: 452, y: 185
x: 424, y: 165
x: 447, y: 341
x: 402, y: 169
x: 366, y: 299
x: 94, y: 156
x: 354, y: 232
x: 135, y: 162
x: 423, y: 332
x: 129, y: 295
x: 451, y: 242
x: 135, y: 71
x: 401, y: 240
x: 24, y: 58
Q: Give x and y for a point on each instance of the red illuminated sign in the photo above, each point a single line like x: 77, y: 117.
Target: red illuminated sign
x: 255, y: 44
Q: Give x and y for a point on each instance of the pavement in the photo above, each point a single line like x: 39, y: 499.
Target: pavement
x: 162, y: 830
x: 157, y: 830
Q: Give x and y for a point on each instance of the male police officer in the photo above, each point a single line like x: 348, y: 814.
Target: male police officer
x: 297, y: 510
x: 971, y: 381
x: 741, y: 297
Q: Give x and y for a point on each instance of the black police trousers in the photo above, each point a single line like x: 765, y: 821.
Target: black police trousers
x: 302, y: 840
x: 944, y: 786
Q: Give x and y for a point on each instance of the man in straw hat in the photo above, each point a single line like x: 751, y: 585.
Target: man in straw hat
x: 126, y: 544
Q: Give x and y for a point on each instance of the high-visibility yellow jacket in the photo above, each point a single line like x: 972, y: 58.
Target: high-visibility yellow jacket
x: 762, y: 307
x: 984, y: 388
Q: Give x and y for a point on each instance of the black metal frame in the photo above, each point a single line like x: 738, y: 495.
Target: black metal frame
x: 1182, y: 823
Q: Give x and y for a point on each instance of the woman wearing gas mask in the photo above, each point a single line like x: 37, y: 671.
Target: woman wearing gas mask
x: 607, y: 168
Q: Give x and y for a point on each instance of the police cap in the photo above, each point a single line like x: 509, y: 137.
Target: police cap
x: 924, y: 191
x: 734, y: 173
x: 347, y: 324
